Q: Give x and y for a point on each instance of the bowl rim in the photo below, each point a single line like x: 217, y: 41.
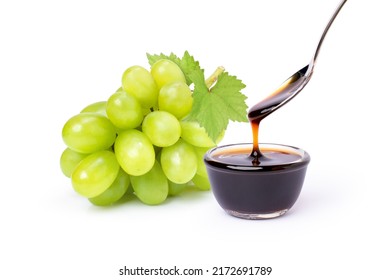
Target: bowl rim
x: 298, y: 164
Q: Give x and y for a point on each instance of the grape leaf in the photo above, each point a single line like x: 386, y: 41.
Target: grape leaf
x: 215, y: 107
x: 189, y: 65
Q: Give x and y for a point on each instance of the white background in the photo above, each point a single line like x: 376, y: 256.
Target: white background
x: 56, y: 57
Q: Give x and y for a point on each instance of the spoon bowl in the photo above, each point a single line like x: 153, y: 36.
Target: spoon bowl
x: 294, y: 84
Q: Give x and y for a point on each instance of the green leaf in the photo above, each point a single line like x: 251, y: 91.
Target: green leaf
x: 189, y: 65
x: 214, y: 108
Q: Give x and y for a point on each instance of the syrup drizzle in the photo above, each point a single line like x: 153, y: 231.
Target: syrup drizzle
x: 271, y: 103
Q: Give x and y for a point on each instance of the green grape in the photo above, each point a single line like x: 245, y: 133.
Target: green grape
x: 200, y: 152
x: 134, y: 151
x: 69, y: 160
x: 201, y: 182
x: 152, y: 187
x: 165, y: 72
x: 176, y: 189
x: 115, y: 192
x: 138, y: 82
x: 88, y: 132
x: 95, y: 173
x: 175, y: 98
x: 97, y: 107
x: 179, y: 162
x: 196, y: 135
x: 162, y: 128
x: 124, y: 111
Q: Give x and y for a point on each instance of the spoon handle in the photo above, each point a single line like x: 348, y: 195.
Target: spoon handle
x: 335, y: 13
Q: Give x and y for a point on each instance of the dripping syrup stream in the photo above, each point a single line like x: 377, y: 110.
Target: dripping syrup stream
x: 256, y: 154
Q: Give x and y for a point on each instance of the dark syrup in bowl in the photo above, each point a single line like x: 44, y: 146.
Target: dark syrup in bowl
x: 256, y: 191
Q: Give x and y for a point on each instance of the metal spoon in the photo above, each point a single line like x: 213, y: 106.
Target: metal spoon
x: 293, y: 85
x: 287, y: 91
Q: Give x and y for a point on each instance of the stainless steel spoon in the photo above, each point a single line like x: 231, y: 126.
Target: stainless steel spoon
x: 293, y: 85
x: 287, y: 91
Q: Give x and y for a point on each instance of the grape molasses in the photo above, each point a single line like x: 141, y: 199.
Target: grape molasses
x: 258, y: 181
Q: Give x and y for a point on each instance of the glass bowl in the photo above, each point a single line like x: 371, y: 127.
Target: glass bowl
x: 252, y: 191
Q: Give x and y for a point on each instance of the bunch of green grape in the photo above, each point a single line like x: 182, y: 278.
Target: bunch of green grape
x: 137, y: 141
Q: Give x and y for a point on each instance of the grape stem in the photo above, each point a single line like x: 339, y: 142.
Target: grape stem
x: 210, y: 81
